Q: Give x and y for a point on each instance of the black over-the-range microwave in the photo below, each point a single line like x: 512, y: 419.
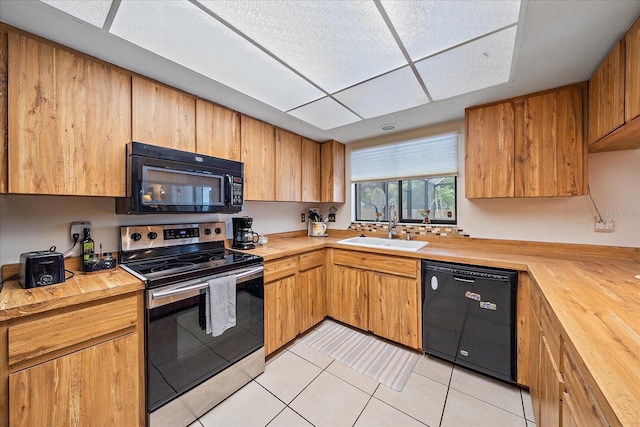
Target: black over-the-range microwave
x: 164, y: 180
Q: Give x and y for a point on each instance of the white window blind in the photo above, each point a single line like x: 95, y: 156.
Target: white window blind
x: 433, y: 156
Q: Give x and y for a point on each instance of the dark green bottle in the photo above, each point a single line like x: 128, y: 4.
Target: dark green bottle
x: 87, y: 245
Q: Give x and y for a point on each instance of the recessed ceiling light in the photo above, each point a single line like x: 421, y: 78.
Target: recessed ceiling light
x: 388, y: 126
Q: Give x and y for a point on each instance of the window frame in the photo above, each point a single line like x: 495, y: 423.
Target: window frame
x: 399, y: 209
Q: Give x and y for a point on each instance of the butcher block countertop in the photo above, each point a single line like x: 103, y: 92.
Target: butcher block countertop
x: 592, y: 290
x: 17, y: 302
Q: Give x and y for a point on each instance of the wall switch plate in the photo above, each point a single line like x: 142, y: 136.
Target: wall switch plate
x: 332, y: 217
x: 302, y: 218
x: 78, y: 228
x: 604, y: 226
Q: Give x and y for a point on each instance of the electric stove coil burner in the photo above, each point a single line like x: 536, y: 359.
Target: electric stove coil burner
x: 174, y: 266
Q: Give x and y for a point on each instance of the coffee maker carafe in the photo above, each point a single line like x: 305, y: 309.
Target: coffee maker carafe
x: 243, y: 235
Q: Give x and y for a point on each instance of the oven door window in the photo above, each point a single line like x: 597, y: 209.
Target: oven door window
x: 167, y: 187
x: 181, y: 355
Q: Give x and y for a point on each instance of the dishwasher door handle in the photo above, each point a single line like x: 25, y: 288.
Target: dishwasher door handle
x: 460, y: 279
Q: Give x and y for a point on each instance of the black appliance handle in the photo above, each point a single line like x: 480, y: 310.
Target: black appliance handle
x: 228, y: 191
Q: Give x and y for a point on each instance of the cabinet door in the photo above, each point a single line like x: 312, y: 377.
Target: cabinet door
x: 490, y: 151
x: 347, y: 296
x: 218, y: 131
x: 632, y: 74
x: 280, y: 313
x: 332, y: 163
x: 163, y: 116
x: 606, y: 95
x: 288, y: 170
x: 551, y: 152
x: 551, y: 388
x: 311, y: 294
x: 258, y: 143
x: 311, y: 176
x: 70, y: 121
x: 393, y: 308
x: 96, y: 386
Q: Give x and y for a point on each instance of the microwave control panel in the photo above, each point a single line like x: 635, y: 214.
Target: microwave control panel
x: 237, y: 196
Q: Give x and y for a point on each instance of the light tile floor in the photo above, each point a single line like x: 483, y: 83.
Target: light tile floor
x: 303, y: 387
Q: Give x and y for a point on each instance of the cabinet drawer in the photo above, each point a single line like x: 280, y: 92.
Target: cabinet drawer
x: 274, y: 270
x: 44, y: 335
x: 311, y: 259
x: 407, y: 267
x: 586, y: 410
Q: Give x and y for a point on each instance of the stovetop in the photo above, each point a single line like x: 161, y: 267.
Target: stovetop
x: 176, y: 253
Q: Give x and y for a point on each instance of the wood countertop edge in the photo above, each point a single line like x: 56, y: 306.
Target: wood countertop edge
x: 18, y: 302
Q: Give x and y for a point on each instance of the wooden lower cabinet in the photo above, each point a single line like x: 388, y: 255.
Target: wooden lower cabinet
x: 94, y: 386
x: 280, y: 313
x: 293, y: 297
x: 377, y: 293
x: 311, y: 308
x: 560, y: 392
x: 393, y: 308
x: 347, y: 298
x: 76, y: 366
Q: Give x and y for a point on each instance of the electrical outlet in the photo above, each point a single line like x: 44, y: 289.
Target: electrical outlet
x: 302, y: 218
x: 78, y: 228
x: 605, y: 226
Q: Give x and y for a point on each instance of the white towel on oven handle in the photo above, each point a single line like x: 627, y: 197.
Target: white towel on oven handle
x: 220, y: 306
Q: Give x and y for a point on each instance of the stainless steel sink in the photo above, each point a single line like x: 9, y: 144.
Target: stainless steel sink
x: 376, y: 242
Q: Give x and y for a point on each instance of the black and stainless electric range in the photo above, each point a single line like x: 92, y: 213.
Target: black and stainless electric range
x: 189, y: 371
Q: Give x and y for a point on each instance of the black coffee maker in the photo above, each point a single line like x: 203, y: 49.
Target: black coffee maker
x: 243, y: 235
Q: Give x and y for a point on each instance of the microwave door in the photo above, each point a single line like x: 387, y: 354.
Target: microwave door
x: 171, y: 189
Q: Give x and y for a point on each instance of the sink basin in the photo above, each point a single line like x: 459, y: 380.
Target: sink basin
x: 376, y: 242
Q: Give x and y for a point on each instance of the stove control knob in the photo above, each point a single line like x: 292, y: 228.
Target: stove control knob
x: 207, y: 231
x: 152, y: 235
x: 218, y: 230
x: 136, y: 236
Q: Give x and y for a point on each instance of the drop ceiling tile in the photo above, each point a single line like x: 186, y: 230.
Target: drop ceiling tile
x: 335, y: 44
x: 182, y: 33
x: 386, y: 94
x: 325, y: 114
x: 93, y: 12
x: 477, y: 65
x: 429, y: 27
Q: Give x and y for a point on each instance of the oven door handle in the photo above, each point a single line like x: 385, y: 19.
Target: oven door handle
x: 200, y: 284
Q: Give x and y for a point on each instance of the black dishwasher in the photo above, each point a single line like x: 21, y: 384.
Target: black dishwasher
x: 469, y: 317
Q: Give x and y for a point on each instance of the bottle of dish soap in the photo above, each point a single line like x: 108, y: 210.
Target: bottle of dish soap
x: 87, y: 247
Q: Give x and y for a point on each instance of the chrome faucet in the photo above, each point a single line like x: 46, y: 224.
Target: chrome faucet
x: 393, y: 221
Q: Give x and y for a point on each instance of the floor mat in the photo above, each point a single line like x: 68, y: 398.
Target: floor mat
x: 373, y: 357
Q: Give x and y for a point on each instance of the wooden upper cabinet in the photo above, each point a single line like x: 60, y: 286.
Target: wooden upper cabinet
x: 70, y: 122
x: 551, y: 152
x: 4, y: 89
x: 332, y: 185
x: 531, y: 146
x: 288, y: 170
x: 490, y: 151
x: 632, y: 86
x: 311, y: 174
x: 606, y: 95
x: 217, y: 131
x: 614, y: 97
x: 258, y: 152
x: 163, y: 116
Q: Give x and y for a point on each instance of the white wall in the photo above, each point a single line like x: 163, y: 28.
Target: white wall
x: 29, y: 223
x: 614, y: 179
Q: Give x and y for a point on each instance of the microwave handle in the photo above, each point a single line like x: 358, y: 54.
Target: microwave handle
x: 228, y: 189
